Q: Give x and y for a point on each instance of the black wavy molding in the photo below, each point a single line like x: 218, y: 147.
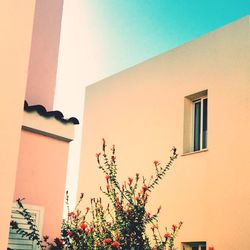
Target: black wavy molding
x: 41, y: 110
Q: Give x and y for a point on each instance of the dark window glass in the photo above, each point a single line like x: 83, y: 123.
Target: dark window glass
x: 195, y: 248
x: 203, y: 248
x: 204, y: 126
x: 197, y: 125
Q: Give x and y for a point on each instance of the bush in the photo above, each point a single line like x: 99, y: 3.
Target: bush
x: 123, y: 223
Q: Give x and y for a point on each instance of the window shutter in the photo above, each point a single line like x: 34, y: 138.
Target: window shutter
x: 16, y: 241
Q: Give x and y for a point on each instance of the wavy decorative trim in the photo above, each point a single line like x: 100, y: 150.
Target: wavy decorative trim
x: 41, y: 110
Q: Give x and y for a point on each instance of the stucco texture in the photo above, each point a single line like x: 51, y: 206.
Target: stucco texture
x: 16, y: 21
x: 142, y: 111
x: 41, y: 177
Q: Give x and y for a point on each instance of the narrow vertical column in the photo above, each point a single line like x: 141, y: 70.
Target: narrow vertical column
x: 16, y: 22
x: 44, y: 53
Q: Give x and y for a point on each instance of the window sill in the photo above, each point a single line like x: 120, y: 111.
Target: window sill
x: 195, y: 152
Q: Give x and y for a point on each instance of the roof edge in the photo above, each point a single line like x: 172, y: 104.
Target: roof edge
x: 58, y: 115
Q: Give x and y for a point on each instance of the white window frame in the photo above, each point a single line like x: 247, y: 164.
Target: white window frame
x: 201, y: 100
x: 190, y: 245
x: 188, y: 122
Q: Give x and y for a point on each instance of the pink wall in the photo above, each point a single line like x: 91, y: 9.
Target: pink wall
x: 41, y: 177
x: 44, y: 53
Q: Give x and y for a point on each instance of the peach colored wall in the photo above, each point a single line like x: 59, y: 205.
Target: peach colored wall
x: 44, y: 53
x: 16, y: 21
x: 142, y: 109
x: 41, y: 177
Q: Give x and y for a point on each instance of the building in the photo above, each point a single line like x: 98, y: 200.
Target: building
x: 196, y: 97
x: 34, y: 140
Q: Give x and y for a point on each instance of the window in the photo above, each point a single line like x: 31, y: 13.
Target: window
x: 195, y: 122
x: 16, y: 241
x: 200, y: 124
x: 194, y: 245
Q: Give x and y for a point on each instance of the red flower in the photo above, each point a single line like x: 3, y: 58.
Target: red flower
x: 118, y: 203
x: 174, y: 227
x: 167, y: 236
x: 144, y: 189
x: 98, y: 244
x: 113, y: 149
x: 156, y: 163
x: 87, y: 209
x: 130, y: 180
x: 210, y: 248
x: 107, y: 177
x: 97, y: 157
x: 103, y: 141
x: 83, y: 226
x: 107, y: 240
x: 113, y: 158
x: 115, y: 244
x: 71, y: 214
x: 118, y: 236
x: 69, y: 234
x: 180, y: 224
x: 103, y: 144
x: 108, y: 187
x: 148, y: 214
x: 159, y: 209
x: 137, y: 198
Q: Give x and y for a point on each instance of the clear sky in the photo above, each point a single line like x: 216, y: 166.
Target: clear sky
x: 102, y: 37
x: 130, y: 31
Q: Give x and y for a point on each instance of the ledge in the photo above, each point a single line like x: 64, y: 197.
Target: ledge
x: 195, y: 152
x: 47, y: 126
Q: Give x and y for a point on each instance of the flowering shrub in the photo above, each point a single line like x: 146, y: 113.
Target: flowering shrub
x: 123, y: 222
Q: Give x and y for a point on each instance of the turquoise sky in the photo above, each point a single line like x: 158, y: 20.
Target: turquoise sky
x: 102, y: 37
x: 131, y: 31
